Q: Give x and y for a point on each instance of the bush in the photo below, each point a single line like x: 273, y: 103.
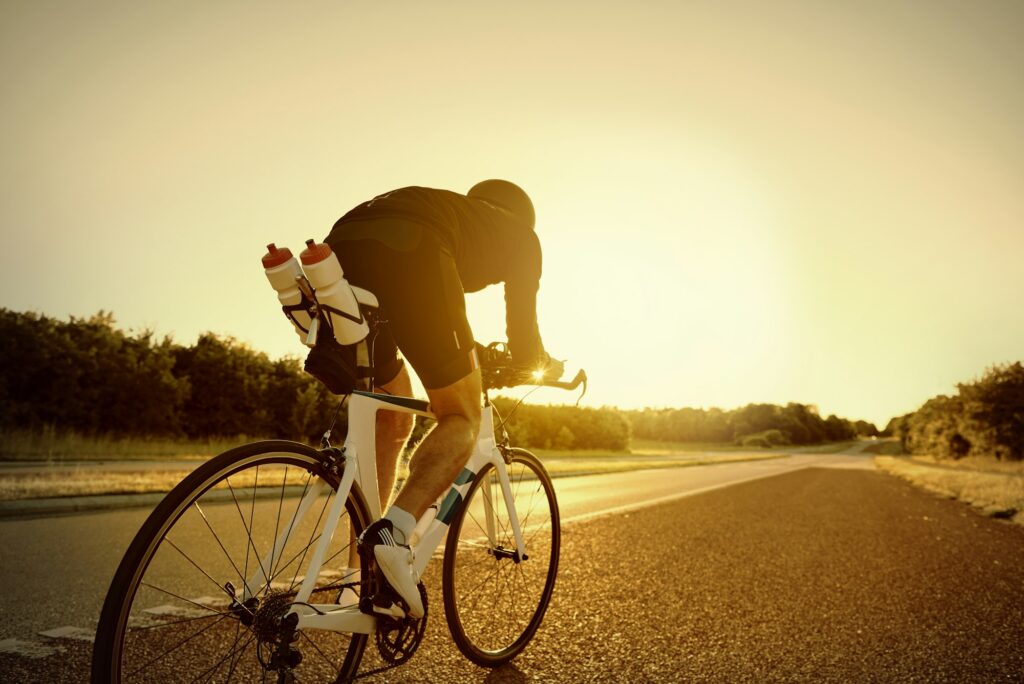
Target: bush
x: 564, y: 427
x: 984, y: 418
x: 764, y: 439
x: 797, y: 423
x: 86, y: 377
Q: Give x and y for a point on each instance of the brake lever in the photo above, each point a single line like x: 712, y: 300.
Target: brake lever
x: 580, y: 378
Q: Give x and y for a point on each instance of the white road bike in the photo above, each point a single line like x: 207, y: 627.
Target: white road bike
x: 239, y: 574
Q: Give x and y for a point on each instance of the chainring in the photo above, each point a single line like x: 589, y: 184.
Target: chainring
x: 397, y: 639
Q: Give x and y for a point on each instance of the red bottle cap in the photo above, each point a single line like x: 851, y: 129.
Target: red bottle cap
x: 314, y: 253
x: 276, y: 257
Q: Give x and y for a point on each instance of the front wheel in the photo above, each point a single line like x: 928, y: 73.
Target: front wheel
x: 202, y: 591
x: 493, y: 600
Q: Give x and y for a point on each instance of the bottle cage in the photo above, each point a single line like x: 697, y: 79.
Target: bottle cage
x: 342, y: 368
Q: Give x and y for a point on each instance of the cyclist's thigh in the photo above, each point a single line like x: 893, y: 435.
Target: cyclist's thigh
x: 387, y: 364
x: 421, y: 297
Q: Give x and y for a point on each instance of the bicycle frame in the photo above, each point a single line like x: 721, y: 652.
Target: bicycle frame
x: 360, y: 456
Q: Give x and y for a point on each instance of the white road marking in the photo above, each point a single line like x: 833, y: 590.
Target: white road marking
x: 143, y: 621
x: 212, y: 601
x: 176, y: 611
x: 70, y: 632
x: 29, y: 649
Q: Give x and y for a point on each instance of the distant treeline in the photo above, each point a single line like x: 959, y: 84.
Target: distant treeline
x: 984, y: 418
x: 564, y: 427
x: 87, y: 377
x: 752, y: 425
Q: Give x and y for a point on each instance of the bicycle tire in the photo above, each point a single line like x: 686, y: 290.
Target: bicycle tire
x: 131, y: 629
x: 520, y: 592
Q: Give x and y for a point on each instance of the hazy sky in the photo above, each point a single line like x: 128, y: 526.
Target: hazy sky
x: 738, y: 201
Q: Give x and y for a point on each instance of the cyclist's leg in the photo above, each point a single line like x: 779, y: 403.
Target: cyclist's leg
x: 442, y: 454
x: 429, y: 325
x: 393, y: 430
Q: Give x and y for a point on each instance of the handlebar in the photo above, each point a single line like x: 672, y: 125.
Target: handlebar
x: 498, y: 371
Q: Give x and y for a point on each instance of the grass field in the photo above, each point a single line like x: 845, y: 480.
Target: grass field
x: 996, y: 489
x: 55, y: 447
x: 654, y: 447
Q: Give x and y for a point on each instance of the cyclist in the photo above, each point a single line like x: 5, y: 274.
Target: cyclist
x: 420, y: 250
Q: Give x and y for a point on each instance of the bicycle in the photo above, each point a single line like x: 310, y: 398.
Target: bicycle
x: 264, y: 517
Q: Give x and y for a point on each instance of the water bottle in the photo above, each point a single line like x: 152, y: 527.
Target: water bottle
x: 281, y: 269
x: 332, y: 290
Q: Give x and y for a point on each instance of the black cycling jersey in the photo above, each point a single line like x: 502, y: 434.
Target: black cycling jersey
x: 488, y: 245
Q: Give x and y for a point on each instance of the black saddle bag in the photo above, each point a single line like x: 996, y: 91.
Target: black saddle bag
x: 334, y: 365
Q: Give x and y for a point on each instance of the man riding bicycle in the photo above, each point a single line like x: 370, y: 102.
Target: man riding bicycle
x: 419, y: 250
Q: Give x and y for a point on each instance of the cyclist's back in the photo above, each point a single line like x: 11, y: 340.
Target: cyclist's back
x: 488, y: 244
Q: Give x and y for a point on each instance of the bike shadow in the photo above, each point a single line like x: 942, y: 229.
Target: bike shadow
x: 506, y: 674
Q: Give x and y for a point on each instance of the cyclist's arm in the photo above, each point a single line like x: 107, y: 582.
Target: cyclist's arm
x: 521, y: 287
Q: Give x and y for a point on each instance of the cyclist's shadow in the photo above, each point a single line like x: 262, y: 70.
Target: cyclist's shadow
x: 506, y: 674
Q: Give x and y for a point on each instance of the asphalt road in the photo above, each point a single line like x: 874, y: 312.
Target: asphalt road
x: 810, y: 575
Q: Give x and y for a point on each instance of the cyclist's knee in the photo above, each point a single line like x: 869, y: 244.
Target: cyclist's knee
x: 458, y: 401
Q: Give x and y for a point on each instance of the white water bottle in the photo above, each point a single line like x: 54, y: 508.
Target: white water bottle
x: 282, y: 268
x: 332, y: 290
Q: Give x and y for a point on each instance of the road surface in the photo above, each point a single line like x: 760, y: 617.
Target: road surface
x: 786, y: 574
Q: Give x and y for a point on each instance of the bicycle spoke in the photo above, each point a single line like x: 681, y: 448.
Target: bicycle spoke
x: 182, y: 598
x: 340, y: 551
x: 291, y: 524
x: 177, y: 622
x: 248, y: 530
x: 175, y: 648
x: 236, y: 661
x: 488, y: 579
x: 245, y: 582
x: 189, y: 559
x: 277, y: 520
x: 252, y: 512
x: 316, y: 526
x: 317, y: 648
x: 212, y: 670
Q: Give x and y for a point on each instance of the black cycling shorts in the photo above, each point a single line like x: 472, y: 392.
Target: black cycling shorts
x: 420, y: 294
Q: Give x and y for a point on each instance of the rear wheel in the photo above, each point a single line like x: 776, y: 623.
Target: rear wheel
x: 169, y: 613
x: 493, y: 600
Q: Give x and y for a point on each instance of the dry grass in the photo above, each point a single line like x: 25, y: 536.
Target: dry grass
x: 995, y: 493
x: 53, y: 446
x: 974, y: 463
x: 650, y: 447
x: 86, y: 482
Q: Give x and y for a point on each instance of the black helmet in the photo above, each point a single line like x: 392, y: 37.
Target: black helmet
x: 506, y: 195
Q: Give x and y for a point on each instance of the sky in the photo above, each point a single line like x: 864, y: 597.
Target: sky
x: 738, y: 202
